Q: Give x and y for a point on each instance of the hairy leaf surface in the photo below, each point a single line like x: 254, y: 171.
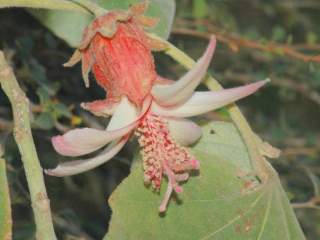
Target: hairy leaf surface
x: 214, y: 204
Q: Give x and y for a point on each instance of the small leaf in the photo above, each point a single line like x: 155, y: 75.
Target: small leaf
x: 278, y: 33
x: 212, y: 206
x: 5, y: 209
x: 200, y: 8
x: 43, y: 95
x: 62, y: 110
x: 44, y: 121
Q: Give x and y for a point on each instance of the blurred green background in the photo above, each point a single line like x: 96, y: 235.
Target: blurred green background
x: 257, y: 39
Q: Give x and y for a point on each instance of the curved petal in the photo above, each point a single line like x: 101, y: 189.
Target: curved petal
x: 202, y: 102
x: 82, y: 141
x: 184, y: 131
x: 123, y: 114
x: 79, y: 142
x: 183, y: 88
x: 79, y: 166
x: 101, y: 108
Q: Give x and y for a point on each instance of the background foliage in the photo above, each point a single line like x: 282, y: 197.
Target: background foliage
x: 286, y: 113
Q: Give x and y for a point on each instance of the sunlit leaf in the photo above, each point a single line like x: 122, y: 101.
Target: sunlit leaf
x: 213, y: 204
x: 64, y: 24
x: 69, y: 25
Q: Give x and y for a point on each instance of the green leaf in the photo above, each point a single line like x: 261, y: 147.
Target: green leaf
x: 44, y: 121
x: 200, y: 8
x: 62, y: 110
x: 5, y: 209
x: 163, y: 9
x: 43, y: 95
x: 64, y: 24
x: 213, y: 204
x: 70, y: 25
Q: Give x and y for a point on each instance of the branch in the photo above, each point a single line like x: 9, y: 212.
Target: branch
x: 312, y: 203
x: 287, y: 83
x: 24, y: 140
x: 235, y: 42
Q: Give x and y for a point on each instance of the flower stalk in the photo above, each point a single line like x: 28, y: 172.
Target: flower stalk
x: 23, y: 137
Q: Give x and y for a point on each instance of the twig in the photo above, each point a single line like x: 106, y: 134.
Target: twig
x: 23, y: 137
x: 312, y: 203
x: 295, y: 151
x: 301, y: 88
x: 236, y: 42
x: 307, y: 46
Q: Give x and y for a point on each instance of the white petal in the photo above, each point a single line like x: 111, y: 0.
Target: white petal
x: 82, y: 141
x: 79, y: 142
x: 123, y: 114
x: 184, y: 131
x: 182, y: 89
x: 79, y: 166
x: 202, y: 102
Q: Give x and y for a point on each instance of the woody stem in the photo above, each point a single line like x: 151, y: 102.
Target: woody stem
x: 23, y: 137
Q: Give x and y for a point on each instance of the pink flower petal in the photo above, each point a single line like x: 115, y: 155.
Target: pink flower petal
x: 182, y: 89
x: 202, y: 102
x: 79, y: 142
x: 82, y: 141
x: 184, y: 131
x: 101, y: 108
x: 79, y: 166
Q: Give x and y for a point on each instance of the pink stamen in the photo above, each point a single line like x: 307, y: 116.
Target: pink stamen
x: 163, y: 156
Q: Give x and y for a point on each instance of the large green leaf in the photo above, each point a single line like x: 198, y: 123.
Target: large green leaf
x: 69, y: 25
x: 213, y: 204
x: 64, y: 24
x: 5, y: 209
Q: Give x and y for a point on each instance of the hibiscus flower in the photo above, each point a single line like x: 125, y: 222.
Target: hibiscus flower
x: 118, y: 51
